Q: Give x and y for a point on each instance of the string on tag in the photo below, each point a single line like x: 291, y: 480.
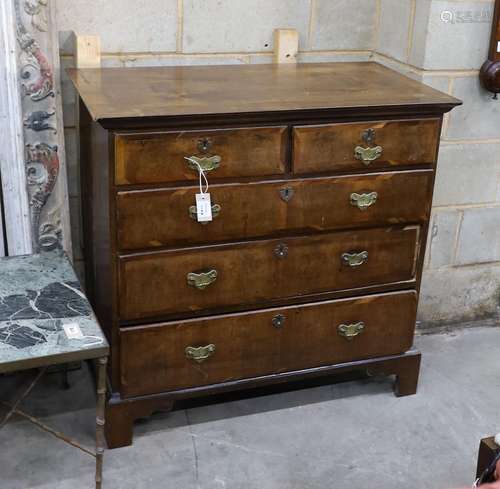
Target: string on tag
x: 97, y: 341
x: 73, y: 331
x: 201, y: 174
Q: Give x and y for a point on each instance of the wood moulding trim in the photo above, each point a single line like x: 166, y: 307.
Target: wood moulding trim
x: 124, y: 411
x: 309, y: 116
x: 374, y: 366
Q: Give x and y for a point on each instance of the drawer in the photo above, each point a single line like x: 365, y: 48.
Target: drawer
x: 257, y: 272
x: 145, y: 158
x: 218, y: 349
x: 148, y: 219
x: 378, y: 145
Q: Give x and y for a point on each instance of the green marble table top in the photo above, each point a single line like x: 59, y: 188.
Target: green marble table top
x: 45, y: 318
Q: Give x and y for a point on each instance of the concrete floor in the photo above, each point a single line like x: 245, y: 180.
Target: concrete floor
x: 350, y: 435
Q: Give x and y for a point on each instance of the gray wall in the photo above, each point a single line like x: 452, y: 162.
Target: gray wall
x: 442, y: 43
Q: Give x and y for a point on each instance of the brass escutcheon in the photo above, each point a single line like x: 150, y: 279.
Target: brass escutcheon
x: 370, y: 153
x: 363, y: 201
x: 350, y: 331
x: 204, y: 144
x: 286, y: 193
x: 200, y: 353
x: 278, y: 320
x: 281, y: 251
x: 368, y: 136
x: 201, y: 280
x: 216, y: 208
x: 355, y: 259
x: 206, y: 163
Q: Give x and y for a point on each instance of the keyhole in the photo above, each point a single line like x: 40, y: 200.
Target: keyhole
x: 286, y: 193
x: 204, y: 145
x: 281, y: 251
x: 369, y: 136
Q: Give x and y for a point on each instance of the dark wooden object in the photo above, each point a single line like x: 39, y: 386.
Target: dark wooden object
x: 488, y: 450
x: 251, y: 152
x: 259, y: 210
x: 490, y: 71
x: 312, y: 266
x: 251, y: 274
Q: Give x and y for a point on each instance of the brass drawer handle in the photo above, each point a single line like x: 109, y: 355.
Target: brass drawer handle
x: 355, y: 259
x: 201, y: 280
x: 350, y: 331
x: 367, y: 155
x: 363, y: 201
x: 216, y: 208
x: 371, y: 153
x: 200, y: 353
x: 207, y: 163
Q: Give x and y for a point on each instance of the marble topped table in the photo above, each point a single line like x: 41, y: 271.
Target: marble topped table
x: 39, y: 294
x: 40, y: 298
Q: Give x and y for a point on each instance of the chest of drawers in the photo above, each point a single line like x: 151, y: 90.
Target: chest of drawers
x: 321, y: 179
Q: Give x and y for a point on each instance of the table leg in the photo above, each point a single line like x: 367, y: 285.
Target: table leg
x: 100, y: 420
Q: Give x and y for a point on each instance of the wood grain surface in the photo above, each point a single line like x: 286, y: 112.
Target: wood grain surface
x: 249, y: 273
x: 156, y: 157
x: 330, y: 147
x: 248, y: 344
x: 149, y: 219
x: 195, y: 90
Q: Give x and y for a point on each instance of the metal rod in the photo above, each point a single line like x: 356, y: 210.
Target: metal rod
x: 22, y: 396
x: 50, y: 430
x: 100, y: 419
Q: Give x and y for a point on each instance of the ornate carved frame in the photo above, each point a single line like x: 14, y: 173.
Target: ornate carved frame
x: 32, y: 162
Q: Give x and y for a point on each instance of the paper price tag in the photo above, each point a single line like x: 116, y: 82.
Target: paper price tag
x: 203, y: 207
x: 73, y: 331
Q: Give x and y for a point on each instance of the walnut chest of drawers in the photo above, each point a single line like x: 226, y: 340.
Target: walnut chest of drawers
x: 321, y: 179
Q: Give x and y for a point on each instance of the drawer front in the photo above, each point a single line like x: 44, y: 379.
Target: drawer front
x: 378, y: 145
x: 160, y: 157
x: 257, y: 272
x: 223, y: 348
x: 148, y: 219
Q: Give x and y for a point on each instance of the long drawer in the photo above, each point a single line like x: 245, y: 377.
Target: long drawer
x: 377, y: 144
x: 156, y: 157
x: 253, y: 273
x: 167, y: 217
x: 218, y: 349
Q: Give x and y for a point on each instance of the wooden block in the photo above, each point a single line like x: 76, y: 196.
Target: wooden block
x: 286, y: 45
x: 88, y: 51
x: 487, y: 452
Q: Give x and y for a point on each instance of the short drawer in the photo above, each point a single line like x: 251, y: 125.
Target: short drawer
x: 148, y: 158
x: 149, y: 219
x: 250, y: 274
x: 378, y: 145
x: 219, y: 349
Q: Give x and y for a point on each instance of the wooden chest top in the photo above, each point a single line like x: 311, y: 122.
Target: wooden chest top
x: 118, y: 93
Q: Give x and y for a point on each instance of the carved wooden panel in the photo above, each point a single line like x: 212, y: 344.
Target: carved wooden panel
x: 38, y: 64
